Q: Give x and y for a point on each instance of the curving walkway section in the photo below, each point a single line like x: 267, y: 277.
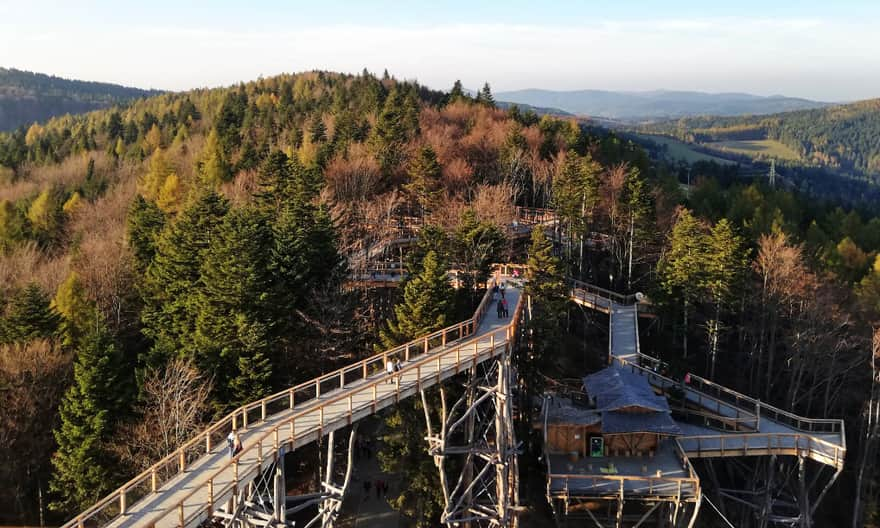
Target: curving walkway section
x: 185, y: 488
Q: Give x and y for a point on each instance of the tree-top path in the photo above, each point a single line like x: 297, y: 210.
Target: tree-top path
x: 185, y: 488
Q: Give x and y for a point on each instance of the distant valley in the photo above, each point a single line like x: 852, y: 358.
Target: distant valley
x: 659, y: 104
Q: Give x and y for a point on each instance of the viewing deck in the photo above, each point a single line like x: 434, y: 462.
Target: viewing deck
x: 186, y: 487
x: 715, y: 421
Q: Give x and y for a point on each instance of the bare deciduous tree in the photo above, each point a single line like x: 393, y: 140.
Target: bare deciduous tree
x: 174, y: 407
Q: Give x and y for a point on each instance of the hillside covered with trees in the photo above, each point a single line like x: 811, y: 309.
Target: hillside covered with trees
x: 199, y: 243
x: 27, y: 97
x: 844, y: 137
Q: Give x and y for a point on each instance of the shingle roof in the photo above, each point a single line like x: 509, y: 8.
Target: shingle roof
x: 616, y: 389
x: 561, y: 410
x: 614, y: 422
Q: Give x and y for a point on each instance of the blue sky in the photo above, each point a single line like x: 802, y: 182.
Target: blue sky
x: 822, y: 50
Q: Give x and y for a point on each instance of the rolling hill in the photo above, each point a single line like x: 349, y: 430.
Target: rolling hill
x: 27, y: 97
x: 842, y: 137
x: 655, y: 104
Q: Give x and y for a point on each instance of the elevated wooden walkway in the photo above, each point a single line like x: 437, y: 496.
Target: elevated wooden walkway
x: 749, y: 427
x: 186, y: 487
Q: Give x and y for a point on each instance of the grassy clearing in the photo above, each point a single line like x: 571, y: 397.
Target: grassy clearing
x: 678, y: 150
x: 764, y: 148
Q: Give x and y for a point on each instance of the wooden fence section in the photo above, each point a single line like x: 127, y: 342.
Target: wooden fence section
x: 759, y: 444
x: 189, y: 456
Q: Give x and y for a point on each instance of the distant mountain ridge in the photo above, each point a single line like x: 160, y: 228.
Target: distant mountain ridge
x: 27, y: 97
x: 657, y: 104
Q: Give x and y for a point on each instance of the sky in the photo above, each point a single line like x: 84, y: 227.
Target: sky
x: 826, y: 50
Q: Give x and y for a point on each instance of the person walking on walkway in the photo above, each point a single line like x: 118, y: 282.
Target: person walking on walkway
x: 504, y: 308
x: 389, y: 368
x: 230, y: 443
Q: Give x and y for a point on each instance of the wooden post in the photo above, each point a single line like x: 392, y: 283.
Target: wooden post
x: 405, y: 352
x: 426, y: 345
x: 211, y: 494
x: 122, y: 501
x: 365, y: 368
x: 342, y: 379
x: 263, y: 410
x: 317, y: 388
x: 182, y: 460
x: 207, y: 441
x: 153, y: 480
x: 180, y: 515
x: 444, y: 337
x: 291, y: 394
x: 244, y: 420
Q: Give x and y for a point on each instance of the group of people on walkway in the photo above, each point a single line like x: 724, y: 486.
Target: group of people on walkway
x: 233, y: 442
x: 501, y: 304
x: 392, y: 366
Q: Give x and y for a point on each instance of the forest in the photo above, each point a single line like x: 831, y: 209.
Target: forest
x: 842, y: 137
x: 198, y: 244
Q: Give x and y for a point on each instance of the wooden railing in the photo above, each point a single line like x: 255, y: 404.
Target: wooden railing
x: 588, y: 292
x: 246, y: 416
x: 668, y: 486
x: 748, y: 444
x: 810, y: 425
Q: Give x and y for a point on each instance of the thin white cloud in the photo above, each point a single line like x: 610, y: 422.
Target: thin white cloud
x: 763, y: 55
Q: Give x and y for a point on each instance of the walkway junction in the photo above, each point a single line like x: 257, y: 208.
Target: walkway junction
x: 619, y: 451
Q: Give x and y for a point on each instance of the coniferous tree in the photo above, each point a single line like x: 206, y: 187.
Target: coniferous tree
x: 427, y: 304
x: 213, y: 166
x: 231, y: 306
x: 548, y: 296
x: 424, y: 179
x: 29, y: 316
x: 485, y: 96
x: 76, y: 311
x: 681, y: 268
x: 477, y: 244
x: 389, y: 135
x: 725, y: 267
x: 173, y: 278
x: 144, y: 224
x: 13, y: 226
x: 457, y: 92
x: 81, y: 464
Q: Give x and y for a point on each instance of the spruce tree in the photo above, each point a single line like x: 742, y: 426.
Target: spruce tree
x: 173, y: 278
x: 427, y: 304
x: 81, y: 464
x: 485, y: 96
x: 232, y: 320
x: 549, y: 295
x: 725, y: 267
x: 424, y: 179
x: 144, y: 224
x: 213, y: 167
x: 390, y: 133
x: 681, y: 270
x: 29, y: 316
x: 457, y: 92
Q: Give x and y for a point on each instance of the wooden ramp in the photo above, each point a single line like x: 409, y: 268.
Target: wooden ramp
x: 187, y: 487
